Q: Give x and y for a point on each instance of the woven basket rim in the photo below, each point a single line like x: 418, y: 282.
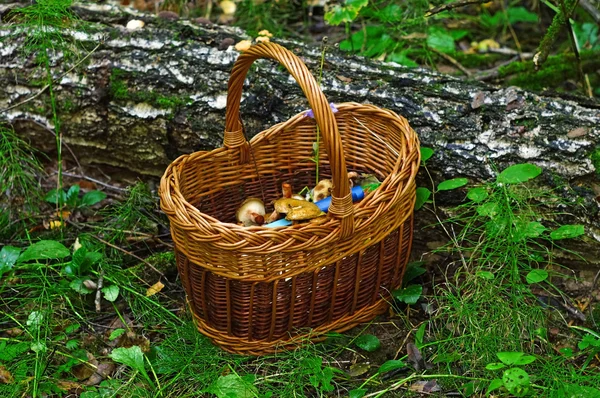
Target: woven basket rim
x: 192, y: 212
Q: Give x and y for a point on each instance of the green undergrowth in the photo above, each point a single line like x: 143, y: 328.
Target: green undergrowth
x: 498, y: 296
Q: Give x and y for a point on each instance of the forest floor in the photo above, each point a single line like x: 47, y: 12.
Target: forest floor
x: 92, y: 304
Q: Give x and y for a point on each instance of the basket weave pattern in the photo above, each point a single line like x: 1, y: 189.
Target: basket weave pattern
x: 256, y: 289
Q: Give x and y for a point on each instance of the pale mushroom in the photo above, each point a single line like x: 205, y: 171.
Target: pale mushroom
x: 322, y: 190
x: 251, y: 212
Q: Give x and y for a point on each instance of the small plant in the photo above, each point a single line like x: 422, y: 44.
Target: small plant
x: 72, y: 200
x: 514, y: 379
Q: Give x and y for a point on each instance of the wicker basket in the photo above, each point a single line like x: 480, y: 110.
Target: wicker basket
x: 254, y: 290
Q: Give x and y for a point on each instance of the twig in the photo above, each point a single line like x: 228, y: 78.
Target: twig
x: 451, y: 6
x: 98, y: 291
x: 130, y: 254
x: 494, y: 72
x: 94, y: 181
x: 452, y: 61
x: 57, y: 79
x: 509, y: 51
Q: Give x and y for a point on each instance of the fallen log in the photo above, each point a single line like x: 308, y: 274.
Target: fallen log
x: 137, y: 99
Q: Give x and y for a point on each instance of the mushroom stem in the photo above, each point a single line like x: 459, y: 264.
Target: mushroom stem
x: 286, y: 190
x: 257, y: 218
x: 273, y: 217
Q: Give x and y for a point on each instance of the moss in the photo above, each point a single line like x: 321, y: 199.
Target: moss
x: 118, y: 88
x: 120, y: 91
x: 555, y: 72
x: 530, y: 123
x: 595, y: 157
x: 476, y: 60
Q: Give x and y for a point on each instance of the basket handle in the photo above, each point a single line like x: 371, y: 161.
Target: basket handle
x: 341, y: 201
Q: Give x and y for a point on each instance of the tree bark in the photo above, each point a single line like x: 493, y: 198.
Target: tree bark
x: 138, y: 99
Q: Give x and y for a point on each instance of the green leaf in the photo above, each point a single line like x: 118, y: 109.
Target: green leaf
x: 34, y: 320
x: 232, y: 386
x: 392, y: 364
x: 391, y: 13
x: 516, y: 381
x: 494, y: 385
x: 339, y: 14
x: 477, y: 195
x: 422, y: 195
x: 588, y: 341
x: 495, y: 366
x: 368, y: 342
x: 92, y: 197
x: 567, y: 232
x: 485, y: 275
x: 420, y: 335
x: 72, y: 345
x: 73, y: 195
x: 8, y: 258
x: 510, y: 357
x: 79, y: 287
x: 400, y: 57
x: 490, y: 209
x: 383, y: 44
x: 44, y: 250
x: 458, y: 34
x: 72, y: 328
x: 533, y: 229
x: 38, y: 346
x: 111, y: 292
x: 356, y: 41
x: 452, y: 184
x: 536, y: 276
x: 587, y: 35
x: 54, y: 195
x: 413, y: 270
x: 566, y: 351
x: 439, y: 39
x: 357, y: 4
x: 525, y: 360
x: 132, y: 357
x: 409, y: 294
x: 426, y: 153
x: 518, y: 173
x: 521, y: 14
x: 116, y: 333
x: 357, y: 393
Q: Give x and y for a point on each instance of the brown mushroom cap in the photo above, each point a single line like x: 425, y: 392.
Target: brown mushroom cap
x: 251, y: 212
x: 305, y: 211
x: 284, y: 204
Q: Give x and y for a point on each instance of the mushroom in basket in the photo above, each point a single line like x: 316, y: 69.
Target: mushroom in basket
x: 296, y: 209
x: 251, y: 212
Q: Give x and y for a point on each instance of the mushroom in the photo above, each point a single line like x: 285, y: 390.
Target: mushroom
x: 251, y: 212
x: 305, y: 211
x: 297, y: 210
x: 352, y: 175
x: 286, y: 190
x: 322, y: 190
